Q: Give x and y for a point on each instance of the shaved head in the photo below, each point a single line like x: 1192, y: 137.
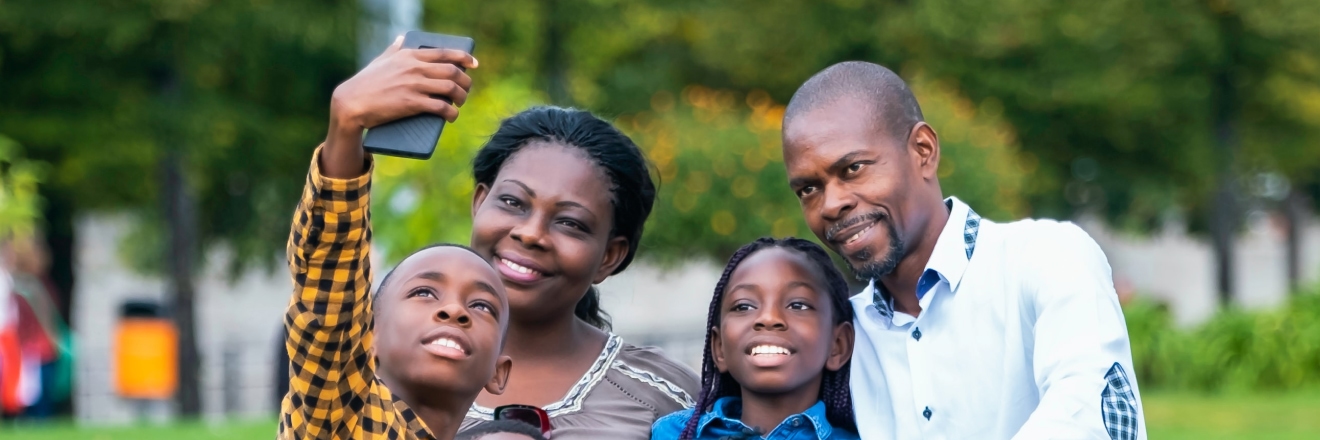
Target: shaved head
x: 890, y: 101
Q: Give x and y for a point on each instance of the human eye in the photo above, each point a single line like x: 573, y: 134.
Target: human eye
x: 511, y: 202
x: 855, y: 167
x: 800, y: 305
x: 741, y: 306
x: 483, y: 306
x: 423, y: 292
x: 806, y: 191
x: 574, y: 224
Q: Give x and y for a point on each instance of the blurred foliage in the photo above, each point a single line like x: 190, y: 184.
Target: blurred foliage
x: 104, y: 91
x: 1236, y: 350
x: 1045, y: 107
x: 20, y: 205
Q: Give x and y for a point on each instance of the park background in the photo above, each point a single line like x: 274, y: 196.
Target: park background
x: 153, y: 150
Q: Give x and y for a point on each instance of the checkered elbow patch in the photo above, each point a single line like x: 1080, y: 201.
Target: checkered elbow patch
x: 1118, y: 405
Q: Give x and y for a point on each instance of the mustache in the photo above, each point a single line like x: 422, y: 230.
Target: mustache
x: 874, y: 216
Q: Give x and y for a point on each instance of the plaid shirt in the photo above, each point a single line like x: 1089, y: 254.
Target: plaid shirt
x: 333, y: 389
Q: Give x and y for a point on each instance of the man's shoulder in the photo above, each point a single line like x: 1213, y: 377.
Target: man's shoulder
x: 1037, y: 236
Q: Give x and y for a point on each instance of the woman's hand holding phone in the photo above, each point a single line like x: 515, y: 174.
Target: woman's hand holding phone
x: 397, y: 84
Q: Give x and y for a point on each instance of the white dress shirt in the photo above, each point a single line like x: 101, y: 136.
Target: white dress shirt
x: 1020, y: 336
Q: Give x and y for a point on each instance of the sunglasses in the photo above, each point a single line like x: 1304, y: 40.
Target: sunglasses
x: 528, y: 414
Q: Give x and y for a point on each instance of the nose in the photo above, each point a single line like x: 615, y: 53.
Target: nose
x: 453, y: 312
x: 531, y: 232
x: 770, y: 318
x: 838, y: 202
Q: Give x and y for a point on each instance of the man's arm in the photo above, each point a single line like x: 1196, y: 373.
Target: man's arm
x: 1082, y: 358
x: 329, y: 317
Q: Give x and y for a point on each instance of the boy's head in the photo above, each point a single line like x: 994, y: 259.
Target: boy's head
x: 501, y: 430
x: 440, y: 321
x: 780, y: 322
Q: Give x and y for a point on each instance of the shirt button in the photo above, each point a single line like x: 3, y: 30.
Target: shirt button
x: 927, y: 413
x: 797, y: 422
x: 916, y: 334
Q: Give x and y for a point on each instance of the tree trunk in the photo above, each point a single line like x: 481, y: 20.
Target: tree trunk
x: 181, y: 220
x: 1225, y: 110
x: 1295, y: 209
x: 553, y: 68
x: 181, y: 217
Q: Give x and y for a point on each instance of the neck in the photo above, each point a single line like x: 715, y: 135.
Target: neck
x: 766, y: 411
x: 902, y: 282
x: 441, y: 417
x: 551, y: 339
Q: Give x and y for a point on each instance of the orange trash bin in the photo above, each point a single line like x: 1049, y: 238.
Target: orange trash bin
x: 146, y: 351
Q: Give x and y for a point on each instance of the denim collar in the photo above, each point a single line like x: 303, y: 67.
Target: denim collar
x: 728, y: 411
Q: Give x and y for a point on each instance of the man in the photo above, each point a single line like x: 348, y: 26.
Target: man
x: 969, y: 328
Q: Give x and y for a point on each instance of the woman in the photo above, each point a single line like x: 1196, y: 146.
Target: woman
x: 560, y: 201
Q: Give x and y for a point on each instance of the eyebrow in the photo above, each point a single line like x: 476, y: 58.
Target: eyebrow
x: 845, y: 160
x: 440, y: 277
x: 524, y: 186
x: 562, y: 204
x: 486, y: 287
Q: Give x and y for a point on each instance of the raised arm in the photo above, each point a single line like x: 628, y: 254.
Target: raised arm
x: 1082, y: 357
x: 328, y: 321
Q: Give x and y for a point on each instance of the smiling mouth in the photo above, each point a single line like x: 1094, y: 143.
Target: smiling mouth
x: 520, y: 268
x: 446, y: 345
x: 858, y: 236
x: 769, y: 350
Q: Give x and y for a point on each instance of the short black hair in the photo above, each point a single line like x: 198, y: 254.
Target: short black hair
x: 880, y: 89
x: 386, y: 281
x: 497, y: 426
x: 632, y: 192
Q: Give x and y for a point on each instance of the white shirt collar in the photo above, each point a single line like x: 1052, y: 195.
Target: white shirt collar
x: 953, y: 251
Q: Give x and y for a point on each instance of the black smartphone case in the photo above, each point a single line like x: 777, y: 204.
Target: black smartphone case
x: 414, y: 136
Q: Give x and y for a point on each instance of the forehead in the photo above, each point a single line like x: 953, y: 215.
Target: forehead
x: 832, y: 130
x: 774, y: 267
x: 458, y: 265
x: 556, y: 170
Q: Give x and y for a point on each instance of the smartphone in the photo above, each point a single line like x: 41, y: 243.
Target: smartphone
x: 414, y: 136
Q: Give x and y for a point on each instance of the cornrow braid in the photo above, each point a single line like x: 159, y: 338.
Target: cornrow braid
x: 834, y: 389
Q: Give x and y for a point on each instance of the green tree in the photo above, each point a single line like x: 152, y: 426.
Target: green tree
x: 197, y: 116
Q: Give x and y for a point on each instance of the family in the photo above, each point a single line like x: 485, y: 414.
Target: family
x: 968, y: 329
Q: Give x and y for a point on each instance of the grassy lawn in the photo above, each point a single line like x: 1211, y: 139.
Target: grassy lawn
x: 1169, y: 416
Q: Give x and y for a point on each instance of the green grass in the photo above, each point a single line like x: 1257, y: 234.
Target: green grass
x: 249, y: 429
x: 1169, y: 416
x: 1232, y: 416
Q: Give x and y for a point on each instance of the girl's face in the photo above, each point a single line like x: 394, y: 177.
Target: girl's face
x: 777, y: 333
x: 545, y: 224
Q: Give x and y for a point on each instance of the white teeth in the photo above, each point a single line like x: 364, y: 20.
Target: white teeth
x: 517, y: 268
x: 858, y: 235
x: 769, y: 349
x: 446, y: 342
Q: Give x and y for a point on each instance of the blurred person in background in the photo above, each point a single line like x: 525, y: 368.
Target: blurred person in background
x: 37, y: 362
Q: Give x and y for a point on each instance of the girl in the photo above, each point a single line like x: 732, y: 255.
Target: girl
x: 560, y: 200
x: 778, y: 350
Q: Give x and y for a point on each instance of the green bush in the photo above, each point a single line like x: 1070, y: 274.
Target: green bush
x: 1236, y: 350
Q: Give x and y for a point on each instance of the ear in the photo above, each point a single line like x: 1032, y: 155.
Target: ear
x: 615, y: 251
x: 501, y: 377
x: 479, y: 197
x: 841, y: 347
x: 925, y: 145
x: 717, y: 350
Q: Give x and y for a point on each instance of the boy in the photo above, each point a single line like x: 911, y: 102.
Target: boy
x: 442, y: 311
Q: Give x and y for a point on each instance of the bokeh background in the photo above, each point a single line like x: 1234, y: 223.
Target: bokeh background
x: 151, y: 152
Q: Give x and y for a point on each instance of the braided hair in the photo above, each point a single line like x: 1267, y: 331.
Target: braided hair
x: 834, y: 385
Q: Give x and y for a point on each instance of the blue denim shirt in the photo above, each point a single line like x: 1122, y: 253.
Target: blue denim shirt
x: 722, y: 422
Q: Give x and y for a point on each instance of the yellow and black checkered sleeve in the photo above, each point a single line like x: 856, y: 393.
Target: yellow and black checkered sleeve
x: 329, y: 317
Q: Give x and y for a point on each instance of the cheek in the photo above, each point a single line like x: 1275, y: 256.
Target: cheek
x: 489, y: 225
